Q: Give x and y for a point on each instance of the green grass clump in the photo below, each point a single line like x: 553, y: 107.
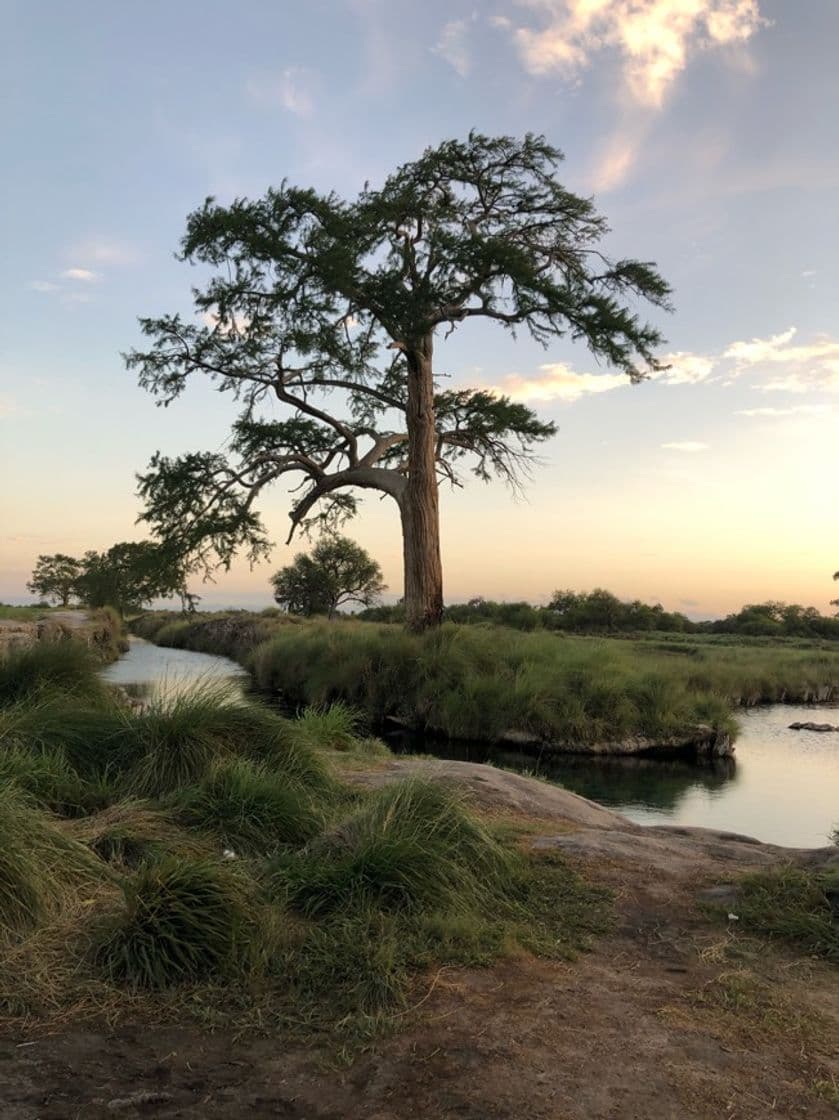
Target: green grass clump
x: 65, y: 666
x: 335, y: 727
x: 131, y: 832
x: 250, y: 808
x: 179, y: 739
x: 413, y: 845
x: 39, y: 864
x: 185, y: 921
x: 46, y: 776
x: 793, y: 905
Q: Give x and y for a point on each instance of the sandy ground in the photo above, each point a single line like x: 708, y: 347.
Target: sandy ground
x: 673, y: 1016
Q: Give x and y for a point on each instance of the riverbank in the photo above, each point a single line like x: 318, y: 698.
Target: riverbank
x: 211, y: 910
x: 25, y: 627
x: 542, y: 692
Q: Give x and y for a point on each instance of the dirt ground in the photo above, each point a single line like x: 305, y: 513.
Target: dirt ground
x: 674, y: 1016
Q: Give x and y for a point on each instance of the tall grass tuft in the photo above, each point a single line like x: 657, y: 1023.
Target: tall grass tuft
x: 335, y: 727
x: 39, y: 864
x: 793, y: 905
x: 412, y: 845
x: 185, y: 921
x: 132, y: 832
x: 250, y: 808
x: 68, y: 667
x: 46, y: 776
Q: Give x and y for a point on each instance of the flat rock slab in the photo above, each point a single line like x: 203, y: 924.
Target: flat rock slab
x: 813, y: 727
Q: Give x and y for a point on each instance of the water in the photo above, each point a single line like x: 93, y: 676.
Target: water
x: 149, y: 671
x: 781, y: 787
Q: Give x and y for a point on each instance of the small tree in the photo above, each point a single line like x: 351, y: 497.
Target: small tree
x: 312, y: 295
x: 338, y: 571
x: 130, y: 575
x: 54, y: 578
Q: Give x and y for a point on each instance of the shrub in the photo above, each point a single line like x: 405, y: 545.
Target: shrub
x: 185, y: 921
x: 250, y: 808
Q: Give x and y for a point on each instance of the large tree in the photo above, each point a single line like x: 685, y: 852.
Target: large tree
x: 338, y: 571
x: 54, y: 577
x: 311, y: 295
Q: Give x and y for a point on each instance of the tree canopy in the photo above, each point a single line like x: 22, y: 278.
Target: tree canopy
x: 130, y: 575
x: 54, y: 578
x: 338, y: 571
x: 320, y: 318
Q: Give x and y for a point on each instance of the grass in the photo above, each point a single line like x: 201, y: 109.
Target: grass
x: 39, y: 864
x: 480, y: 681
x: 795, y: 906
x: 63, y: 667
x: 113, y: 876
x: 184, y: 921
x: 251, y: 808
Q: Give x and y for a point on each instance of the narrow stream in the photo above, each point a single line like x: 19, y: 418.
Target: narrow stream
x: 782, y: 786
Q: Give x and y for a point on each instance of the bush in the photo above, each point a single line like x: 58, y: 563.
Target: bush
x: 250, y: 808
x: 184, y: 921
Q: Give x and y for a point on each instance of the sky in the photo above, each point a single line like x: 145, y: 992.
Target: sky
x: 707, y: 132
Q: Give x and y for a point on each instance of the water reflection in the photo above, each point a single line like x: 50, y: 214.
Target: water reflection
x: 148, y: 670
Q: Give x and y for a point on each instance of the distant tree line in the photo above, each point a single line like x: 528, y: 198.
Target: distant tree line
x: 128, y: 576
x: 601, y: 612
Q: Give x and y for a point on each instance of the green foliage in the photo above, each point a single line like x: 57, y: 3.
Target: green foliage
x: 312, y: 295
x: 338, y: 571
x: 335, y: 727
x: 63, y: 666
x: 55, y: 577
x: 131, y: 574
x: 184, y: 921
x: 794, y: 905
x: 251, y: 808
x: 39, y: 865
x: 412, y: 846
x: 46, y: 776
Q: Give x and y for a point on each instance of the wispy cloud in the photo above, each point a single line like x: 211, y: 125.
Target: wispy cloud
x: 793, y: 410
x: 84, y: 274
x: 7, y: 407
x: 43, y: 286
x: 654, y: 38
x: 291, y: 90
x: 104, y: 251
x: 792, y: 368
x: 689, y: 446
x: 453, y: 45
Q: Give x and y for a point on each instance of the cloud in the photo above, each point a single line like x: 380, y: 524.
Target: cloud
x: 653, y: 38
x: 7, y: 407
x: 43, y: 286
x: 556, y: 381
x: 83, y: 274
x: 291, y: 90
x: 689, y: 446
x: 793, y: 410
x: 104, y: 251
x: 453, y: 45
x: 615, y: 163
x: 813, y: 367
x: 685, y: 369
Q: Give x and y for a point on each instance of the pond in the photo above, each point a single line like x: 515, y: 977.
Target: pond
x: 782, y: 786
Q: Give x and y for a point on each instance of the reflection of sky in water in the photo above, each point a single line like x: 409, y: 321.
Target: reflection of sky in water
x: 784, y: 788
x: 153, y: 670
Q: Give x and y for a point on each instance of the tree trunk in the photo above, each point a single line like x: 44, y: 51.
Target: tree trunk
x: 419, y: 506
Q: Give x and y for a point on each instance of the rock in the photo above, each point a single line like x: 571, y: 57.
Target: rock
x: 703, y: 740
x: 813, y: 727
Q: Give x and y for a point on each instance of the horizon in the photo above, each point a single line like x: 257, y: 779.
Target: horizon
x: 709, y: 143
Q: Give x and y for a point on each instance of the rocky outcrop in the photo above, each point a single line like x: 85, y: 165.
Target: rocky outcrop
x: 702, y: 740
x: 813, y: 727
